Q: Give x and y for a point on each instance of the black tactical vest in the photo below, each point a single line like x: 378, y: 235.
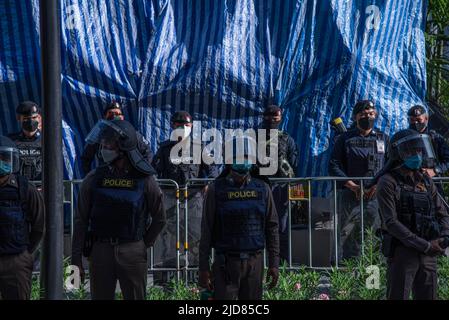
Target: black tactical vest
x: 117, y: 207
x: 416, y: 209
x: 14, y: 228
x: 240, y: 216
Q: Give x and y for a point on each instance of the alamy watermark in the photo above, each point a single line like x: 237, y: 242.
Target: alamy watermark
x: 213, y: 146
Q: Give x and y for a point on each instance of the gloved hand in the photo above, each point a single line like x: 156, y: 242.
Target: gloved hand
x: 205, y: 280
x: 273, y: 274
x: 435, y: 248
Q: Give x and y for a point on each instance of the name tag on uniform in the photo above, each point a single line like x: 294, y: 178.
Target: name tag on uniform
x: 118, y: 183
x: 380, y: 146
x: 243, y: 195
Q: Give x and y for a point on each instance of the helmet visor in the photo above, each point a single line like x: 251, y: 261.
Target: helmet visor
x: 105, y: 132
x: 419, y: 144
x: 9, y: 160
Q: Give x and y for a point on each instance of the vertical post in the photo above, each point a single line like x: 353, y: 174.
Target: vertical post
x: 52, y: 263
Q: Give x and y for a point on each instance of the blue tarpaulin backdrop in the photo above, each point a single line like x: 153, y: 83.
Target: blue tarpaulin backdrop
x: 223, y: 61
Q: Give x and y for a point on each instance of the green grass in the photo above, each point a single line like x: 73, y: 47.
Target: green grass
x: 347, y: 283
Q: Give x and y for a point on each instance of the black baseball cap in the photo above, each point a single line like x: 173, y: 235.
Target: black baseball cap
x: 28, y: 108
x: 416, y: 111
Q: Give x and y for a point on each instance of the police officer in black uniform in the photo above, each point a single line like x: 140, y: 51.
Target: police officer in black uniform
x: 120, y: 213
x: 415, y: 222
x: 28, y: 140
x: 359, y: 152
x: 181, y: 168
x: 21, y: 225
x: 239, y: 220
x: 112, y: 111
x: 418, y: 119
x: 287, y: 166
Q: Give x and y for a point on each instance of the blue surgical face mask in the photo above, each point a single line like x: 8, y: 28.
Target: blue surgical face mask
x: 242, y: 168
x: 413, y: 162
x: 5, y: 168
x: 109, y: 155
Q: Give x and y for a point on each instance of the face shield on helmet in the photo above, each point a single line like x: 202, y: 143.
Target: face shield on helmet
x: 9, y: 161
x: 414, y: 150
x: 241, y: 153
x: 105, y: 132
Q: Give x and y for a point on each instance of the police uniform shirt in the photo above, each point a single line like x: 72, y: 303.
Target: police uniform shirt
x: 208, y: 220
x: 29, y: 151
x: 35, y: 213
x: 153, y: 205
x: 340, y: 166
x: 388, y: 193
x: 442, y: 151
x: 178, y: 170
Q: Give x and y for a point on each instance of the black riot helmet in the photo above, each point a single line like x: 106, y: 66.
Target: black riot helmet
x: 9, y: 157
x: 124, y: 135
x: 408, y: 145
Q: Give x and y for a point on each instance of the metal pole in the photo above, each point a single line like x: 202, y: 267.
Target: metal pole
x: 178, y: 253
x: 52, y: 263
x: 335, y: 224
x: 289, y: 229
x: 362, y: 214
x: 309, y: 204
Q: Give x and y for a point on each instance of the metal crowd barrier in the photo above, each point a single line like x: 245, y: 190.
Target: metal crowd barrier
x: 290, y: 181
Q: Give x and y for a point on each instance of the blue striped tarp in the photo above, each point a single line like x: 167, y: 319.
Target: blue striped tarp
x: 223, y: 61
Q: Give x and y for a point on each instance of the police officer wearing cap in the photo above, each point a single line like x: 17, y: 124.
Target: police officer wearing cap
x: 119, y: 214
x: 181, y: 167
x: 112, y: 111
x: 418, y: 119
x: 21, y: 225
x: 239, y: 221
x: 287, y: 166
x: 415, y: 222
x: 359, y: 152
x: 28, y: 140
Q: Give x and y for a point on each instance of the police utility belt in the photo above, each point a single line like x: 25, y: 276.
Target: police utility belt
x: 237, y: 255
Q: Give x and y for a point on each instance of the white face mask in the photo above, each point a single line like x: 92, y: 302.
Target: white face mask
x: 109, y: 155
x: 184, y: 132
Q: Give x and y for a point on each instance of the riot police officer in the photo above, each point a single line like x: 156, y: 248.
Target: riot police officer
x: 21, y: 225
x: 28, y: 140
x: 116, y: 203
x: 414, y: 219
x: 359, y: 152
x: 418, y: 119
x: 287, y: 166
x: 239, y: 220
x: 112, y: 111
x: 181, y: 167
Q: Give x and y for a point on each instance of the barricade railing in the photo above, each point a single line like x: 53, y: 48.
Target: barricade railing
x: 308, y: 181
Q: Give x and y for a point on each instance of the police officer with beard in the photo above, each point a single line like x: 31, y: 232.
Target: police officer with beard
x: 179, y: 166
x: 359, y: 152
x: 287, y: 165
x: 21, y: 225
x: 239, y: 220
x: 112, y: 111
x: 120, y: 213
x: 418, y: 119
x: 415, y: 222
x: 28, y: 140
